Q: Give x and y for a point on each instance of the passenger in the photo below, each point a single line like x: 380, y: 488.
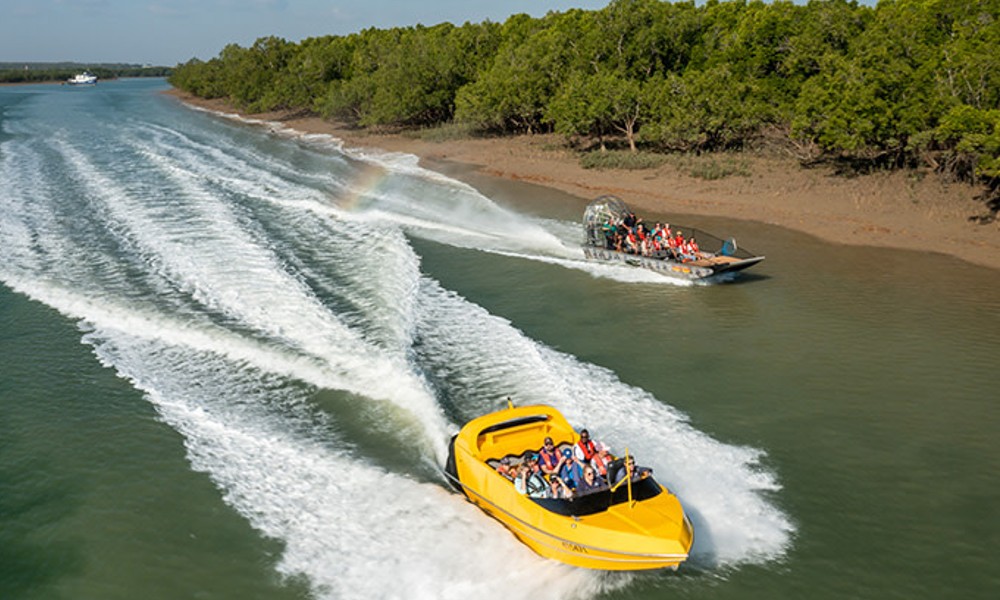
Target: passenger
x: 602, y: 459
x: 520, y: 479
x: 589, y: 483
x: 679, y: 240
x: 646, y: 246
x: 631, y: 243
x: 686, y: 252
x: 623, y: 232
x: 549, y: 459
x: 558, y: 488
x: 610, y: 230
x: 535, y: 471
x: 693, y: 246
x: 505, y: 468
x: 572, y: 471
x: 585, y: 449
x: 627, y: 468
x: 672, y: 246
x: 530, y: 483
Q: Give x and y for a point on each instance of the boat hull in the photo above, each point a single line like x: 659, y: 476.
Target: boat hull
x: 691, y: 271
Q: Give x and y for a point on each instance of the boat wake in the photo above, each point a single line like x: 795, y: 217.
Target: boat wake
x: 392, y: 189
x: 264, y: 296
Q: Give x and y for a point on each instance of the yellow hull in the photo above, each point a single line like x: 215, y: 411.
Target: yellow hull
x: 649, y: 532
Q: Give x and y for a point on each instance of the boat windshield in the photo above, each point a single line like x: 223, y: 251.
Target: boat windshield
x: 601, y: 500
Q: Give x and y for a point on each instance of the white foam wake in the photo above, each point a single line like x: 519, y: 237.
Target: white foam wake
x: 480, y: 358
x: 201, y: 250
x: 436, y: 207
x: 345, y: 523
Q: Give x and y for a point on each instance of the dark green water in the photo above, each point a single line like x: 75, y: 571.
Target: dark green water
x: 278, y: 338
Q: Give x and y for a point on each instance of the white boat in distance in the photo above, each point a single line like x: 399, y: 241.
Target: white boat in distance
x: 85, y: 78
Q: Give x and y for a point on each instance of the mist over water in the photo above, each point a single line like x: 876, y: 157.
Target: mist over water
x: 235, y: 274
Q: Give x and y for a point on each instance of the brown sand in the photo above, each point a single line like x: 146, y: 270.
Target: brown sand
x: 896, y: 210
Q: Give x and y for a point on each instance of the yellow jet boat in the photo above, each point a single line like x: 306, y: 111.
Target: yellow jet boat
x: 634, y: 525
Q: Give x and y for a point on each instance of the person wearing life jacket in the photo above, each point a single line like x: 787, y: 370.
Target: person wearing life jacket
x: 548, y: 459
x: 585, y: 449
x: 686, y: 255
x: 632, y: 243
x: 602, y: 460
x: 672, y: 245
x: 641, y: 232
x: 505, y: 468
x: 690, y: 250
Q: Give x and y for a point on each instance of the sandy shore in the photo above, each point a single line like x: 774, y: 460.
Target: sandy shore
x: 897, y: 210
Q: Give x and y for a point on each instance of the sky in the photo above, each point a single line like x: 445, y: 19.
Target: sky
x: 168, y: 32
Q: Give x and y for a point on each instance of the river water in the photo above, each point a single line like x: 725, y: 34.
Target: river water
x: 232, y: 357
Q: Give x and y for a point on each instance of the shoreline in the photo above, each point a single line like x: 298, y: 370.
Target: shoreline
x: 902, y: 210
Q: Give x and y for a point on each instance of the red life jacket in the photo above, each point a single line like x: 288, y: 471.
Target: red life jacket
x: 588, y: 448
x: 601, y: 465
x: 551, y: 459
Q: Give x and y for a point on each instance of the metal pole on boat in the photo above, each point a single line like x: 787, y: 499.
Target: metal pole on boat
x: 628, y: 476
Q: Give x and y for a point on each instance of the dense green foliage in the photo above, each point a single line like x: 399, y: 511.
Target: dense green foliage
x: 43, y: 72
x: 903, y: 83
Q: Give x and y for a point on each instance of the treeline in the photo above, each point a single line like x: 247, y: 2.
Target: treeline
x: 43, y: 72
x: 903, y: 83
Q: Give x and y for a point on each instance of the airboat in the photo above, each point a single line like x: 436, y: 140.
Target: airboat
x: 602, y: 222
x: 636, y: 524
